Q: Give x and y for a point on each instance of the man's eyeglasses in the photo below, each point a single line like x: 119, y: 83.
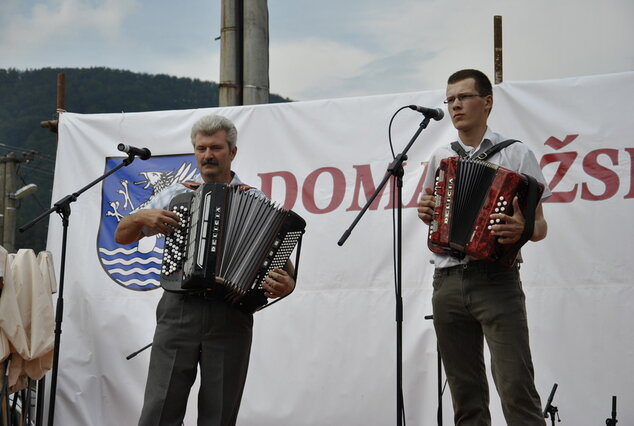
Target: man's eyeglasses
x: 450, y: 100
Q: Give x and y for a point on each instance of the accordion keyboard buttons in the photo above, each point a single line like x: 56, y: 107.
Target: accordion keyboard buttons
x: 500, y: 208
x: 174, y: 247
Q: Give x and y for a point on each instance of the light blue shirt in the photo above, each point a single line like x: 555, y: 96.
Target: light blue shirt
x: 516, y: 157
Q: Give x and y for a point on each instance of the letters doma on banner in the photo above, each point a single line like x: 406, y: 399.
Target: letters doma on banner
x: 363, y: 179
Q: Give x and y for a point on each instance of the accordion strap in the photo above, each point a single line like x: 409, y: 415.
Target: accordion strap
x: 190, y: 184
x: 456, y: 146
x: 459, y: 149
x: 531, y: 205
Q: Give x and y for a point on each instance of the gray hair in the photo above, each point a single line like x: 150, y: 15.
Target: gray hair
x: 210, y: 124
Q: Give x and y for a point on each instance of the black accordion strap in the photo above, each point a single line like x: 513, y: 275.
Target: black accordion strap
x: 531, y: 205
x: 484, y: 155
x: 190, y: 184
x: 459, y: 149
x: 495, y: 149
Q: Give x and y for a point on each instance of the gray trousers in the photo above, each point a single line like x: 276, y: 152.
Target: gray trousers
x: 191, y: 332
x: 480, y: 301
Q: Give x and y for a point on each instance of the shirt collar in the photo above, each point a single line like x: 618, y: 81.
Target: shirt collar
x: 488, y: 140
x: 235, y: 180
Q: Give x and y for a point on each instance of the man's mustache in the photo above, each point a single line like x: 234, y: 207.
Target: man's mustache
x: 210, y: 162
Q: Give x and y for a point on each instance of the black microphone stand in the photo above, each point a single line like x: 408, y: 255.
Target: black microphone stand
x: 62, y: 207
x: 440, y: 387
x: 611, y: 421
x: 135, y: 353
x: 550, y: 409
x: 395, y: 169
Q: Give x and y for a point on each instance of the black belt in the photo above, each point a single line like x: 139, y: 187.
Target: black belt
x: 477, y: 266
x: 208, y: 294
x: 217, y: 294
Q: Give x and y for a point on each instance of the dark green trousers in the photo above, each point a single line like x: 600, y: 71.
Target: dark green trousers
x: 472, y: 303
x: 194, y: 332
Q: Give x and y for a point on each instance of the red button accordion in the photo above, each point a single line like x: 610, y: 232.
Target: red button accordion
x: 466, y: 193
x: 227, y: 242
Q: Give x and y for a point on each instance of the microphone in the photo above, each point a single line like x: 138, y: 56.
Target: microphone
x: 435, y: 113
x: 143, y: 153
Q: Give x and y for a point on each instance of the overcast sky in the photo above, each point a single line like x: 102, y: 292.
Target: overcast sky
x: 328, y: 48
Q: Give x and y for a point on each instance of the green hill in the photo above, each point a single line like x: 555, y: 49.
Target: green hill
x: 29, y: 97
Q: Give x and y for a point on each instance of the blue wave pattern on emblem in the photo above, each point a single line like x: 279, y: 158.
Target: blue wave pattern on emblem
x: 136, y: 266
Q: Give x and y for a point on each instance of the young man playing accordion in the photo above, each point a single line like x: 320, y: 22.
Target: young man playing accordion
x: 473, y: 299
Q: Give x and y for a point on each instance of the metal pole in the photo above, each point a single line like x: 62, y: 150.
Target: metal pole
x: 3, y: 168
x: 60, y: 106
x: 497, y: 48
x: 52, y: 126
x: 230, y: 86
x: 61, y: 93
x: 8, y: 240
x: 256, y: 52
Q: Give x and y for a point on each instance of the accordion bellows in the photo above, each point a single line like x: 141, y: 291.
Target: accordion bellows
x: 228, y: 240
x: 466, y: 193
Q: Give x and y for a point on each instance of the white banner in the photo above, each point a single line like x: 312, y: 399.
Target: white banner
x: 327, y: 354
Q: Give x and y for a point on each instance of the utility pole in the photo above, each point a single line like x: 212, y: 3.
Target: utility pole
x: 244, y: 53
x: 3, y: 168
x: 230, y: 53
x: 52, y: 125
x: 256, y: 53
x: 497, y: 48
x: 10, y: 196
x: 8, y: 235
x: 60, y: 102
